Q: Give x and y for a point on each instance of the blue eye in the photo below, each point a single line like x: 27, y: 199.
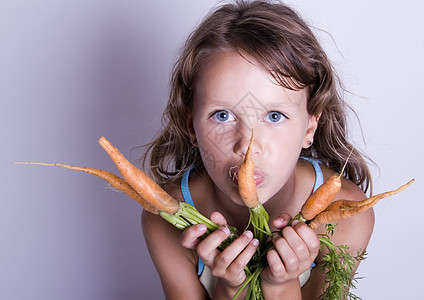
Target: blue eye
x: 222, y: 116
x: 274, y: 117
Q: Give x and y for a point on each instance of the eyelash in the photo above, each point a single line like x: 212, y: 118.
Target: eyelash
x: 215, y: 115
x: 282, y: 116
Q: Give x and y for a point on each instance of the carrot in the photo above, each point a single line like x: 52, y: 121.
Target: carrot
x: 320, y: 199
x: 246, y: 181
x: 179, y: 214
x: 323, y: 196
x: 149, y: 194
x: 259, y: 219
x: 114, y: 180
x: 140, y: 182
x: 342, y: 209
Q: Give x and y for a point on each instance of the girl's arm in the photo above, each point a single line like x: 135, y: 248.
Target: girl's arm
x: 176, y: 266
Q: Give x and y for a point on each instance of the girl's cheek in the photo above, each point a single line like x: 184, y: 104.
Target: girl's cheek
x: 217, y: 144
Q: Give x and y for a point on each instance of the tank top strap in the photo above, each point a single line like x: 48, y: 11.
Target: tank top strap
x: 185, y: 190
x: 184, y: 187
x: 319, y: 177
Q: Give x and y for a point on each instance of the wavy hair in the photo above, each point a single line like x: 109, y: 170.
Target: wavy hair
x: 282, y: 43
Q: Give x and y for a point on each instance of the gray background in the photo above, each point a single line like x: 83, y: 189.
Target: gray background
x: 71, y: 71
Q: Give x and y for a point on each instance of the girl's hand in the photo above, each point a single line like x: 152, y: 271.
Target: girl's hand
x: 227, y: 265
x: 294, y: 252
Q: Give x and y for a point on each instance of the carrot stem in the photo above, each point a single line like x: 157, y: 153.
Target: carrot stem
x: 259, y: 219
x: 187, y: 215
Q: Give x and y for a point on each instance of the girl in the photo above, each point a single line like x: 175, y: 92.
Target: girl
x: 251, y: 65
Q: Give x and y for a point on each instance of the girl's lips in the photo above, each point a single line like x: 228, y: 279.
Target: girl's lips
x: 258, y: 175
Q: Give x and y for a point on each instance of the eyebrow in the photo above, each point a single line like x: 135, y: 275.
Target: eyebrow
x: 271, y: 105
x: 283, y: 105
x: 284, y: 102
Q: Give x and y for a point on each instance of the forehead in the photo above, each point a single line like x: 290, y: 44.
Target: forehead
x: 227, y: 77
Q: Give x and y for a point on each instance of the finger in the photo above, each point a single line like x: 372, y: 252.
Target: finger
x: 237, y: 266
x: 247, y: 254
x: 276, y: 266
x: 281, y: 221
x: 207, y: 249
x: 190, y: 237
x: 235, y: 250
x: 308, y: 236
x: 218, y: 218
x: 287, y: 255
x: 296, y: 243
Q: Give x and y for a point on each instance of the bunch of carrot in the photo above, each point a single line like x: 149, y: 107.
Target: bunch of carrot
x: 136, y: 184
x: 319, y: 209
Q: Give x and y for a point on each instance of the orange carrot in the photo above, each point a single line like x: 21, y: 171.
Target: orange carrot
x: 140, y: 182
x: 342, y: 209
x: 150, y: 195
x: 258, y: 216
x: 114, y: 180
x: 246, y: 181
x: 323, y: 196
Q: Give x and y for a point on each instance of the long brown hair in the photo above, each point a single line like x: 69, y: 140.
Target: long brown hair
x: 283, y: 44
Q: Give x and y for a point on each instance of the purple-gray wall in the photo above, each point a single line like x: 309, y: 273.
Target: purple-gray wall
x: 71, y: 71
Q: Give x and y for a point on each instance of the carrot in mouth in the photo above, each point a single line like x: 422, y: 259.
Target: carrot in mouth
x: 246, y: 180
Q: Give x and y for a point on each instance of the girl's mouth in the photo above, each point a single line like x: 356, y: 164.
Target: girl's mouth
x: 258, y: 175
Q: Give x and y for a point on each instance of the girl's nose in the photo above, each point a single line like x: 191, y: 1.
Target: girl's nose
x: 242, y: 143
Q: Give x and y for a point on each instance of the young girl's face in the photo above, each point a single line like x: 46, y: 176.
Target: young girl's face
x: 232, y: 96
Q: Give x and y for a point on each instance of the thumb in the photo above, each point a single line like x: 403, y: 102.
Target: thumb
x: 281, y: 221
x: 218, y: 218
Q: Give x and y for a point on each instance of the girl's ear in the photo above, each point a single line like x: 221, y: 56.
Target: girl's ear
x: 310, y: 130
x: 190, y: 128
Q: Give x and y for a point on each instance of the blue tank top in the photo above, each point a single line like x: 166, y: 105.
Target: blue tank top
x: 319, y: 180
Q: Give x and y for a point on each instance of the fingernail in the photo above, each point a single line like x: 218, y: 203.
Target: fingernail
x: 295, y: 222
x: 226, y: 230
x: 280, y: 220
x: 248, y: 233
x: 202, y: 228
x: 255, y: 242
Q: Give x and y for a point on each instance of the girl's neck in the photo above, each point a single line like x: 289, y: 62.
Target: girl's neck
x: 283, y: 200
x: 294, y: 193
